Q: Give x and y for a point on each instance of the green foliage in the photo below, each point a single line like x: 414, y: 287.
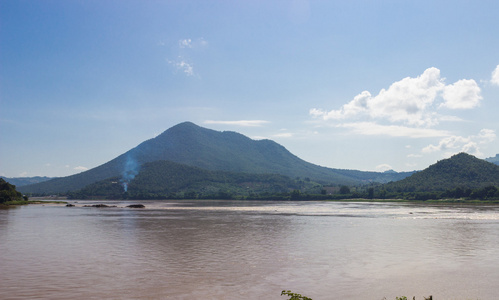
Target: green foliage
x: 294, y: 296
x: 8, y: 193
x: 169, y: 180
x: 344, y: 189
x: 460, y: 171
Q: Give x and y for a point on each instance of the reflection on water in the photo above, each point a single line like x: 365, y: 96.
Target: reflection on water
x: 249, y: 250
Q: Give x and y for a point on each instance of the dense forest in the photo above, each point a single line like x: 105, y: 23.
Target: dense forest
x: 462, y: 177
x: 169, y: 180
x: 8, y: 193
x: 459, y: 177
x: 460, y: 171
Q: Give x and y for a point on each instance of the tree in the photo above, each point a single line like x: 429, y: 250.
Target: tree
x: 370, y: 193
x: 8, y: 192
x: 295, y: 195
x: 344, y: 189
x: 294, y: 296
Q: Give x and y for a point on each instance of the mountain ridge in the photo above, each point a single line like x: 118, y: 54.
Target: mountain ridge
x: 192, y: 145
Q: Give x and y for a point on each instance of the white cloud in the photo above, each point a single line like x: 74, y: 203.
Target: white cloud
x: 245, y: 123
x: 185, y: 49
x: 383, y: 167
x: 355, y: 107
x: 407, y: 100
x: 451, y: 142
x: 183, y: 66
x: 410, y: 101
x: 464, y: 94
x: 192, y: 44
x: 454, y: 144
x: 185, y: 43
x: 495, y: 76
x: 80, y: 168
x: 202, y: 42
x: 371, y: 128
x: 445, y: 118
x: 283, y: 135
x: 486, y: 135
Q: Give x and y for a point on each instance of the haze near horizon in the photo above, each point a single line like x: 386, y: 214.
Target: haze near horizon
x: 349, y: 85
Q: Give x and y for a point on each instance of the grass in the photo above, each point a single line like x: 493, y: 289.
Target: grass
x: 25, y: 202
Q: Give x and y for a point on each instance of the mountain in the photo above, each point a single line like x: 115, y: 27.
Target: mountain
x: 460, y: 171
x: 22, y: 181
x: 494, y: 160
x: 192, y: 145
x: 162, y: 179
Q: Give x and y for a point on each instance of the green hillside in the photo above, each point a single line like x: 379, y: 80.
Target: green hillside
x: 9, y: 193
x: 460, y: 171
x: 165, y: 179
x: 192, y: 145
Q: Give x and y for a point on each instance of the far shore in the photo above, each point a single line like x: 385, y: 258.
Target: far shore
x: 64, y: 200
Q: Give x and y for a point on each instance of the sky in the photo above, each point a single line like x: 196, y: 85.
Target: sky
x: 365, y: 85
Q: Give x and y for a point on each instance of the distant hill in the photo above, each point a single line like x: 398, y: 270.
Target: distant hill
x: 460, y: 171
x: 161, y: 179
x: 192, y: 145
x: 380, y: 177
x: 494, y: 160
x: 22, y: 181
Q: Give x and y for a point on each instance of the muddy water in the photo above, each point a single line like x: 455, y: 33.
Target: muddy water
x: 249, y: 250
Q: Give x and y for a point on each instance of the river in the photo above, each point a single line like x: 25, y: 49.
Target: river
x: 249, y: 250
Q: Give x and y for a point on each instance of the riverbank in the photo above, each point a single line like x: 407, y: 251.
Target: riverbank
x: 26, y: 202
x: 436, y: 201
x: 63, y: 200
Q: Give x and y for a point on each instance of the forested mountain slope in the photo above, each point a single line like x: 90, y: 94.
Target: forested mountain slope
x: 460, y: 171
x: 192, y: 145
x: 162, y: 179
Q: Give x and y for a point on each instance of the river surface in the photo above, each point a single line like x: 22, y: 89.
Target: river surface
x: 249, y: 250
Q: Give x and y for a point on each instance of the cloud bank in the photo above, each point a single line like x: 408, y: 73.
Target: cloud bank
x: 371, y: 128
x: 470, y: 144
x: 410, y: 101
x: 412, y: 107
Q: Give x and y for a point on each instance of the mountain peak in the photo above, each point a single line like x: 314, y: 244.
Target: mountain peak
x: 192, y: 145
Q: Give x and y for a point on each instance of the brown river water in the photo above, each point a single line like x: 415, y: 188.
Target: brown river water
x: 249, y: 250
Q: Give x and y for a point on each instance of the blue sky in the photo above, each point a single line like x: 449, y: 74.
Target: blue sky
x: 367, y: 85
